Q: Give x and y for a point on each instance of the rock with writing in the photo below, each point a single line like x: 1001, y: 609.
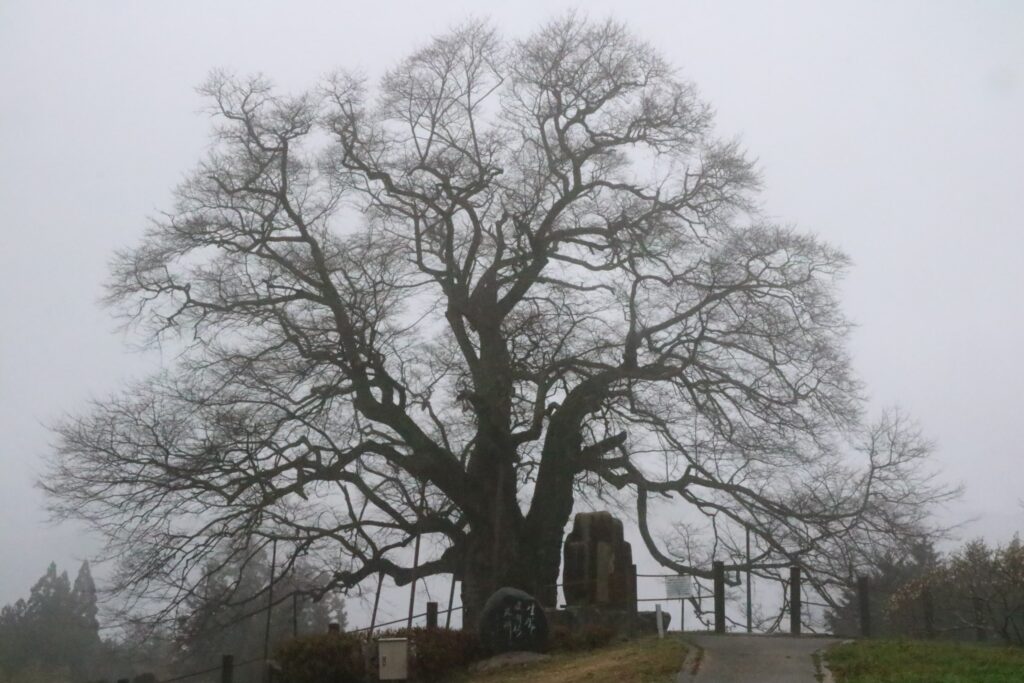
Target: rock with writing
x: 598, y: 568
x: 513, y: 621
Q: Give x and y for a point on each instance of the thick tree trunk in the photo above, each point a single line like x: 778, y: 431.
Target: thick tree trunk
x: 492, y: 562
x: 541, y: 555
x: 493, y: 544
x: 550, y: 510
x: 484, y: 561
x: 505, y: 548
x: 519, y: 553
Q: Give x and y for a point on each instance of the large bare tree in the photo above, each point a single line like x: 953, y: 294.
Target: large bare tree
x: 512, y: 274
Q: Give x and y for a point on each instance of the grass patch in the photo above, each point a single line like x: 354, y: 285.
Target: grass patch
x: 645, y: 660
x: 891, y: 661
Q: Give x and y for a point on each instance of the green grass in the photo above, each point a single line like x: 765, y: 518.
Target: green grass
x: 645, y: 660
x: 889, y: 661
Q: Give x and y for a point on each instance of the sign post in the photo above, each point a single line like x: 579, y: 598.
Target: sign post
x: 679, y: 588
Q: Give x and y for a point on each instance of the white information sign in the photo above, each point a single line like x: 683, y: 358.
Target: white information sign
x: 678, y: 587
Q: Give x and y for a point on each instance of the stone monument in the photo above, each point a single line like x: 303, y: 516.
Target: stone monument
x: 598, y: 568
x: 513, y: 621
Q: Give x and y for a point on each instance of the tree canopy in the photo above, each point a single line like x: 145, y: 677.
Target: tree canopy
x: 450, y: 303
x: 228, y: 612
x: 889, y: 574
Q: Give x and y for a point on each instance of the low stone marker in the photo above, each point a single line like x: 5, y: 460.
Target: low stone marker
x: 513, y: 621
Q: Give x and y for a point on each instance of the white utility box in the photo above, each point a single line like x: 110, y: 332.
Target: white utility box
x: 393, y: 659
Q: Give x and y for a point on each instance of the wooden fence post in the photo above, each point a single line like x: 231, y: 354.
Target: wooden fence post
x: 980, y: 633
x: 632, y: 589
x: 929, y: 613
x: 864, y: 598
x: 295, y: 614
x: 431, y: 615
x: 227, y: 668
x: 718, y: 569
x: 795, y: 607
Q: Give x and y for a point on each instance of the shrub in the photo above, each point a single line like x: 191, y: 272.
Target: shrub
x: 322, y: 658
x: 588, y: 637
x: 560, y: 639
x: 439, y: 651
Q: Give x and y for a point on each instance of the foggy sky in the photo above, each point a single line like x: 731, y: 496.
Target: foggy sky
x: 891, y: 129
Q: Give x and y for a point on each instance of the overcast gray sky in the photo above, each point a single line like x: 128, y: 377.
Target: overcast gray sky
x: 893, y: 129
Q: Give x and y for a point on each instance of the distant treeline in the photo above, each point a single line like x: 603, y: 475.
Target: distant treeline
x: 55, y: 635
x: 974, y: 593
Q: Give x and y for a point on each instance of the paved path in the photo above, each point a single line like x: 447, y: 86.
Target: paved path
x: 756, y: 659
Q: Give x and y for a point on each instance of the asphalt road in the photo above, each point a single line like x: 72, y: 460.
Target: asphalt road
x: 756, y: 659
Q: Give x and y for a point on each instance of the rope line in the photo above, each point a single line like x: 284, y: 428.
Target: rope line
x: 398, y: 621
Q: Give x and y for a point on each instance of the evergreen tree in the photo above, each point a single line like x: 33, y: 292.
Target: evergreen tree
x: 54, y: 631
x: 13, y: 643
x: 84, y: 597
x: 83, y: 628
x: 48, y: 616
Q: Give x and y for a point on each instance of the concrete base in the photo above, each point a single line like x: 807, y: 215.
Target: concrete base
x: 623, y: 622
